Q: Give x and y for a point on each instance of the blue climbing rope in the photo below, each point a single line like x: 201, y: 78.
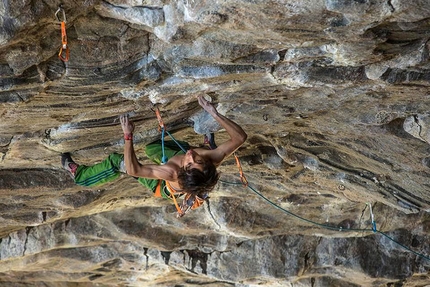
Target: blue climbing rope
x: 177, y: 143
x: 329, y: 227
x: 164, y: 159
x: 163, y: 130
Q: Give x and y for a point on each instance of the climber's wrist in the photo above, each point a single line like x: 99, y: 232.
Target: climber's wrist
x: 128, y: 136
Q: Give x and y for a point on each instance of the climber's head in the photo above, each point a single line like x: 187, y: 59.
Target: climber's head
x: 197, y: 175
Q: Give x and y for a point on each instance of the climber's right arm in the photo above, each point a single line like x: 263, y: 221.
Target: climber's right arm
x: 132, y: 165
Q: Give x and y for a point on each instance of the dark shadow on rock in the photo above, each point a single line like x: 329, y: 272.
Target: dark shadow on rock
x: 396, y: 128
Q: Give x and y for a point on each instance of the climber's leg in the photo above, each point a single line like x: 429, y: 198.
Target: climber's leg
x: 105, y: 171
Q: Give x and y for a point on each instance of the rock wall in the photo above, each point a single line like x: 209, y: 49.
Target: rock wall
x: 334, y: 98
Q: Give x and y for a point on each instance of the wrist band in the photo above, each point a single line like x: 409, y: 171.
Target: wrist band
x: 128, y: 136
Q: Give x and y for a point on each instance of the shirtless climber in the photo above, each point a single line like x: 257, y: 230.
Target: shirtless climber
x: 192, y: 173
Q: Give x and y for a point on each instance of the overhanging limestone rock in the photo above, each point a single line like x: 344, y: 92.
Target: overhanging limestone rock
x: 334, y: 98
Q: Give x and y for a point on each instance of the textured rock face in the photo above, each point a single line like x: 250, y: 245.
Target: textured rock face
x: 334, y: 98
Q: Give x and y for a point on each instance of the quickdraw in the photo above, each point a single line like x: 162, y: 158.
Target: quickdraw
x: 372, y: 218
x: 161, y: 129
x: 241, y: 174
x: 160, y: 120
x: 64, y: 50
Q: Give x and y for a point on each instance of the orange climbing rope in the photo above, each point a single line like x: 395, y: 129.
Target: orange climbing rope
x: 64, y: 50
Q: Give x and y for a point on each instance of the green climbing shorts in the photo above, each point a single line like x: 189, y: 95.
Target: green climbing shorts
x: 105, y: 171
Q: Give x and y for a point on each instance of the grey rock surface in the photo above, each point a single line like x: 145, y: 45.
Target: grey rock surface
x: 334, y: 96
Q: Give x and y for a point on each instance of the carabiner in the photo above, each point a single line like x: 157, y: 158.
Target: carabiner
x: 60, y: 9
x: 64, y: 54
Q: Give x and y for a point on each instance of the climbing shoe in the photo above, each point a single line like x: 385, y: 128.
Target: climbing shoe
x: 210, y: 140
x: 68, y: 164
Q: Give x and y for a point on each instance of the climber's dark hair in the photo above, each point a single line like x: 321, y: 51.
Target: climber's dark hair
x: 197, y: 182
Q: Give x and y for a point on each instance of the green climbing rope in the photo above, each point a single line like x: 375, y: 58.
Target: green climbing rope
x: 329, y: 227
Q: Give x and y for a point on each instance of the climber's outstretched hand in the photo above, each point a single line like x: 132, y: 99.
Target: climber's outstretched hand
x: 127, y: 125
x: 206, y: 105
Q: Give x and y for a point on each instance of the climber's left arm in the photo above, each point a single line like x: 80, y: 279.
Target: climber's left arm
x: 236, y: 133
